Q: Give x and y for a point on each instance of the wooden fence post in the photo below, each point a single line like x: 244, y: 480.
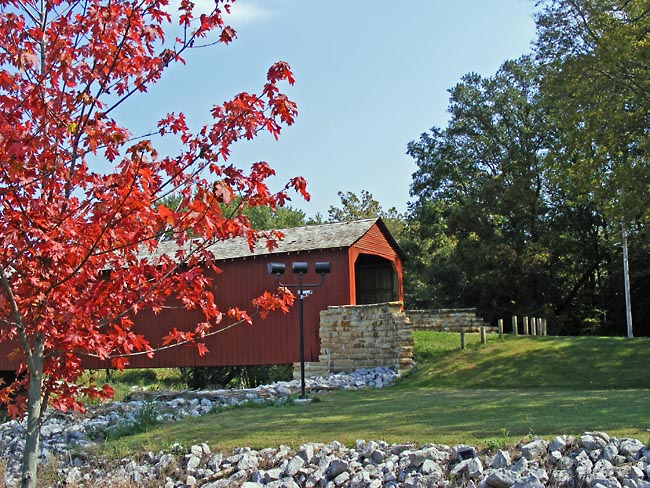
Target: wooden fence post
x: 533, y: 326
x: 526, y: 330
x: 483, y: 336
x: 500, y: 327
x: 544, y: 330
x: 514, y: 325
x: 462, y: 340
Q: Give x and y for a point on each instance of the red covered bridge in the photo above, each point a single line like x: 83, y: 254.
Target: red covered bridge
x: 366, y: 267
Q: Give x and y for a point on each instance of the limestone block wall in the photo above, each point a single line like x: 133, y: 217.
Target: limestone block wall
x: 363, y: 336
x: 448, y: 320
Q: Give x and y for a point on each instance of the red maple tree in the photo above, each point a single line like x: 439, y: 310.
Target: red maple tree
x: 81, y: 211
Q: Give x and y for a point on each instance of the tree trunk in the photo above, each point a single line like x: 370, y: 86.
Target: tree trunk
x: 34, y: 414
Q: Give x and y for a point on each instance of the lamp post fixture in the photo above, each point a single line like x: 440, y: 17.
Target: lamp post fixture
x: 300, y: 268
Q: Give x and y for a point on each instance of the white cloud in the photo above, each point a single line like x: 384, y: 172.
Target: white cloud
x: 244, y: 12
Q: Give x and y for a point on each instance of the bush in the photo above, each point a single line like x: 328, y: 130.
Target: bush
x: 235, y: 376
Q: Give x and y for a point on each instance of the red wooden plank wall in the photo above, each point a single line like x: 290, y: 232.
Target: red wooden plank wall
x: 270, y: 341
x: 374, y: 242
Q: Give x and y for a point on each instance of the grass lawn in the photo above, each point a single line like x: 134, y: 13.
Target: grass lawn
x: 583, y: 363
x: 492, y: 395
x: 123, y: 381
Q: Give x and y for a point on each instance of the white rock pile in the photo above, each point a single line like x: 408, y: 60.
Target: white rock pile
x: 592, y: 460
x: 62, y: 433
x: 572, y: 463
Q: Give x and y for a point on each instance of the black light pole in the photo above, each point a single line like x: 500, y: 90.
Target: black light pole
x: 301, y: 335
x: 300, y: 268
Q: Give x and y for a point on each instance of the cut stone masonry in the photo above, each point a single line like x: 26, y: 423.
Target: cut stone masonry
x: 380, y: 335
x: 448, y: 320
x: 363, y: 336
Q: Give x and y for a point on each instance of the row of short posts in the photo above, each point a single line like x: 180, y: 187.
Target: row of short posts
x: 463, y: 344
x: 533, y: 326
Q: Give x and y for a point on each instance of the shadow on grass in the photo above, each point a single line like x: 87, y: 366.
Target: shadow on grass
x: 539, y: 362
x: 423, y: 416
x: 505, y: 390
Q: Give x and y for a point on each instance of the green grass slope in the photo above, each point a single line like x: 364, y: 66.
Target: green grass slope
x: 488, y: 395
x: 583, y: 363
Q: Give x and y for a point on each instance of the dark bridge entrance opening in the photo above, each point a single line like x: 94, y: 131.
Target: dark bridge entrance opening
x: 375, y: 280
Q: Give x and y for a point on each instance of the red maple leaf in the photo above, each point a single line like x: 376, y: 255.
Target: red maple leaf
x: 81, y: 252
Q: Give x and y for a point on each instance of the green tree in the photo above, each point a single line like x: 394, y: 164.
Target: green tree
x: 364, y: 206
x: 480, y: 193
x: 261, y: 217
x: 265, y: 218
x: 597, y: 88
x: 488, y: 228
x: 596, y: 55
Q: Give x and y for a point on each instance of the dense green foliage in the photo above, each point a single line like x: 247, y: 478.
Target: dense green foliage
x: 596, y: 57
x: 234, y: 376
x: 363, y: 206
x: 281, y: 218
x: 519, y: 201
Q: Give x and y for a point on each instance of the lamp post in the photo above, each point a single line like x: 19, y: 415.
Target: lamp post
x: 300, y: 268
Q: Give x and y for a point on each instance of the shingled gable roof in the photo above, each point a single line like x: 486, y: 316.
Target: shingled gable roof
x: 296, y: 239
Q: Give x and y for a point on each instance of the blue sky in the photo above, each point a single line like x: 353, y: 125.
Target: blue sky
x: 370, y: 77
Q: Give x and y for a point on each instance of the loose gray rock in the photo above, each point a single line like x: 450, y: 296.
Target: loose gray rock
x: 360, y: 480
x: 529, y: 481
x: 502, y: 478
x: 588, y: 442
x: 534, y: 449
x: 563, y: 463
x: 583, y: 465
x: 631, y: 448
x: 635, y: 473
x: 294, y: 465
x: 603, y: 468
x: 474, y: 468
x: 418, y: 457
x: 306, y: 451
x: 598, y: 482
x: 520, y: 465
x: 501, y: 459
x: 609, y: 452
x: 555, y: 457
x: 215, y: 462
x: 197, y: 451
x: 459, y: 470
x: 192, y: 463
x: 557, y: 444
x: 430, y: 467
x: 336, y: 467
x: 540, y: 473
x: 562, y: 478
x: 629, y: 483
x: 342, y: 479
